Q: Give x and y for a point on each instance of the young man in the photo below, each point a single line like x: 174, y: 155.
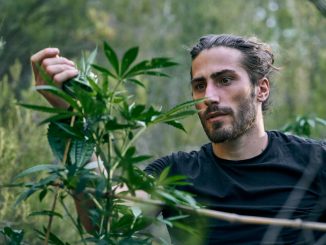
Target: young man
x: 245, y: 169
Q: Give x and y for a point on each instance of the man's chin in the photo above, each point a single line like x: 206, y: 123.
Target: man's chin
x: 220, y: 135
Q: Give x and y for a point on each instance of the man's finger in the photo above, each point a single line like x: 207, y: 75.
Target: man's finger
x: 43, y: 54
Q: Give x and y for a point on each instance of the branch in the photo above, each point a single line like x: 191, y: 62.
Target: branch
x: 234, y: 218
x: 320, y: 5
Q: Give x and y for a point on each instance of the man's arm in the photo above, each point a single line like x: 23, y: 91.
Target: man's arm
x: 58, y: 68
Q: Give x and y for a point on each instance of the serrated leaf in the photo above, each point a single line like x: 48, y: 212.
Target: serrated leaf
x: 167, y: 196
x: 58, y: 117
x: 89, y: 61
x: 15, y: 236
x: 177, y: 125
x: 151, y: 73
x: 154, y: 63
x: 58, y: 92
x: 320, y: 121
x: 164, y: 174
x: 137, y: 82
x: 139, y: 159
x: 45, y: 213
x: 184, y: 105
x: 42, y: 194
x: 178, y: 217
x: 128, y: 58
x: 43, y: 108
x: 80, y: 152
x: 23, y: 196
x: 94, y: 86
x: 38, y: 168
x: 103, y: 70
x: 56, y: 141
x: 70, y: 130
x: 112, y: 57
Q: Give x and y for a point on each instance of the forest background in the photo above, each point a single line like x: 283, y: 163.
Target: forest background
x: 296, y: 29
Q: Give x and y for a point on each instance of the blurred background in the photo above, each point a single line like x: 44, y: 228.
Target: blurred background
x: 296, y: 29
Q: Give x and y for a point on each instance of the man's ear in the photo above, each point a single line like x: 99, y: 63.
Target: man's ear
x: 262, y: 89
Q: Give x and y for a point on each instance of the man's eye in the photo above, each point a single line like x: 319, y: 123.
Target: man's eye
x: 199, y: 86
x: 226, y: 80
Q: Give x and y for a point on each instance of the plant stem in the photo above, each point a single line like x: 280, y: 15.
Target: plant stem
x: 80, y: 231
x: 64, y: 160
x: 125, y: 148
x: 48, y: 229
x: 109, y: 201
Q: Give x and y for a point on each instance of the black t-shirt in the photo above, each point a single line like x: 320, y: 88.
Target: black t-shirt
x: 287, y: 180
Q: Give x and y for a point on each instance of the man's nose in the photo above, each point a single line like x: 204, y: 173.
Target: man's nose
x: 212, y: 95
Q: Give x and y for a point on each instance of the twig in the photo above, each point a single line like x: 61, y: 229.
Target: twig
x: 231, y: 217
x: 64, y: 160
x: 48, y: 229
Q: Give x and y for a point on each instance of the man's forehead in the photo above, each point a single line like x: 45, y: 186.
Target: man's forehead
x: 217, y: 59
x: 220, y: 53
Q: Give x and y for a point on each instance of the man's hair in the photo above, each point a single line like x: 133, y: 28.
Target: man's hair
x: 257, y: 60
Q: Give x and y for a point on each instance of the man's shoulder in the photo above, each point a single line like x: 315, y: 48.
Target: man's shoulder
x: 286, y: 138
x: 177, y: 159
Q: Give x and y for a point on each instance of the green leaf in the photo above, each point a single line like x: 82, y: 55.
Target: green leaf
x: 154, y: 63
x: 167, y: 196
x: 43, y: 108
x: 23, y: 196
x: 80, y: 152
x: 139, y: 159
x: 137, y: 82
x: 164, y: 174
x: 56, y: 141
x: 58, y: 92
x: 38, y: 168
x: 103, y: 70
x: 94, y: 86
x: 128, y: 58
x: 70, y: 130
x: 151, y: 73
x: 59, y: 117
x: 45, y: 213
x: 178, y: 217
x: 186, y: 228
x: 86, y: 67
x: 176, y: 124
x: 112, y: 57
x: 15, y: 236
x: 42, y: 194
x: 173, y: 180
x: 184, y: 105
x: 320, y: 121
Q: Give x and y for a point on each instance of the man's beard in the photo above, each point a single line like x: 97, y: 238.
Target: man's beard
x: 242, y: 121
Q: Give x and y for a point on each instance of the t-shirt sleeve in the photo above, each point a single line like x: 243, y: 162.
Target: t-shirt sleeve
x: 323, y: 170
x: 155, y: 168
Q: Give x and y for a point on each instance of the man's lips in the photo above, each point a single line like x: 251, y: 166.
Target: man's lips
x: 216, y: 114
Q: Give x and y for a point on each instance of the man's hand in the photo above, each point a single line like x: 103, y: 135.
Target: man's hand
x: 58, y: 68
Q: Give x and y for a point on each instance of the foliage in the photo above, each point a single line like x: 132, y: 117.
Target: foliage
x: 105, y: 119
x: 13, y: 237
x: 303, y: 125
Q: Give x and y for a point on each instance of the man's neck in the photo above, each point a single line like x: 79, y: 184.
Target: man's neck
x: 249, y: 145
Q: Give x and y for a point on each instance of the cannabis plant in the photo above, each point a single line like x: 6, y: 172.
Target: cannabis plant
x: 105, y: 120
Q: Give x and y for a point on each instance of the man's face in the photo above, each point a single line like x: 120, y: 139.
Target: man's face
x: 230, y: 107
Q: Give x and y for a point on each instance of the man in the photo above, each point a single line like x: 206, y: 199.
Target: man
x: 245, y: 169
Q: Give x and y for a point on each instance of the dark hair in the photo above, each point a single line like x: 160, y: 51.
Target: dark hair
x: 257, y: 60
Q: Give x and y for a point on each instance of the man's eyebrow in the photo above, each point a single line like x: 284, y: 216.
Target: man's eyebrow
x: 222, y: 72
x: 213, y: 75
x: 197, y: 79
